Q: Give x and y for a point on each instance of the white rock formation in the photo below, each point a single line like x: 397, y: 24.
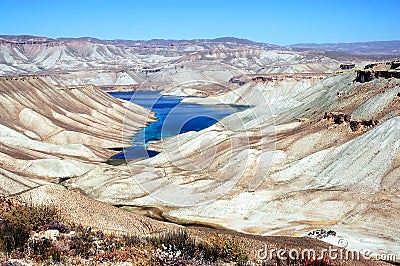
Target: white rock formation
x: 49, y: 132
x: 279, y: 168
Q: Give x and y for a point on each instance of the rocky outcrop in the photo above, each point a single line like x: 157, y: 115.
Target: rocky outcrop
x: 338, y: 118
x: 347, y: 66
x: 368, y: 75
x: 379, y: 70
x: 239, y: 80
x: 356, y: 125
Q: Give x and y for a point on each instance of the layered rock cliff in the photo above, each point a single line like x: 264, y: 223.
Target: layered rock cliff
x: 49, y: 132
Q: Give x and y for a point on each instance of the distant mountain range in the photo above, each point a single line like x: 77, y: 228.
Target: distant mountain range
x: 359, y: 48
x: 89, y: 60
x: 135, y: 61
x: 150, y: 43
x: 376, y: 48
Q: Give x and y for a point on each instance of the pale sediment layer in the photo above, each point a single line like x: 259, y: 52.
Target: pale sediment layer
x: 315, y: 172
x: 49, y: 132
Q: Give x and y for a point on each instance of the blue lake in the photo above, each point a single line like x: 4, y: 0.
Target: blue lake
x: 173, y: 118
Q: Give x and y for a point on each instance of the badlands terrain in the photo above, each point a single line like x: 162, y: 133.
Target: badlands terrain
x: 318, y: 147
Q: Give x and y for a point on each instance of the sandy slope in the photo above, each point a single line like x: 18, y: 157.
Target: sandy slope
x: 49, y: 132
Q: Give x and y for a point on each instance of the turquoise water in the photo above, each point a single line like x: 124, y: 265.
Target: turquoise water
x: 173, y: 118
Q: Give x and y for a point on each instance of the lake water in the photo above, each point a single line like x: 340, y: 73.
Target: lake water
x: 173, y: 118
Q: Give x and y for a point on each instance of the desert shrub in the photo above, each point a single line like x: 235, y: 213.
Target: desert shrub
x: 54, y: 255
x: 29, y: 215
x: 81, y: 247
x: 136, y: 256
x: 132, y: 240
x: 44, y: 250
x: 56, y: 225
x: 178, y: 248
x: 161, y: 257
x: 18, y: 220
x: 175, y: 241
x: 13, y: 236
x: 38, y: 248
x: 38, y: 216
x: 220, y: 248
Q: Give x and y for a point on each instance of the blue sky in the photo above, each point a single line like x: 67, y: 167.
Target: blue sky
x: 271, y: 21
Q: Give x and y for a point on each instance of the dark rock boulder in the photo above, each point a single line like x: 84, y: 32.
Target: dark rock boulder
x: 355, y: 125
